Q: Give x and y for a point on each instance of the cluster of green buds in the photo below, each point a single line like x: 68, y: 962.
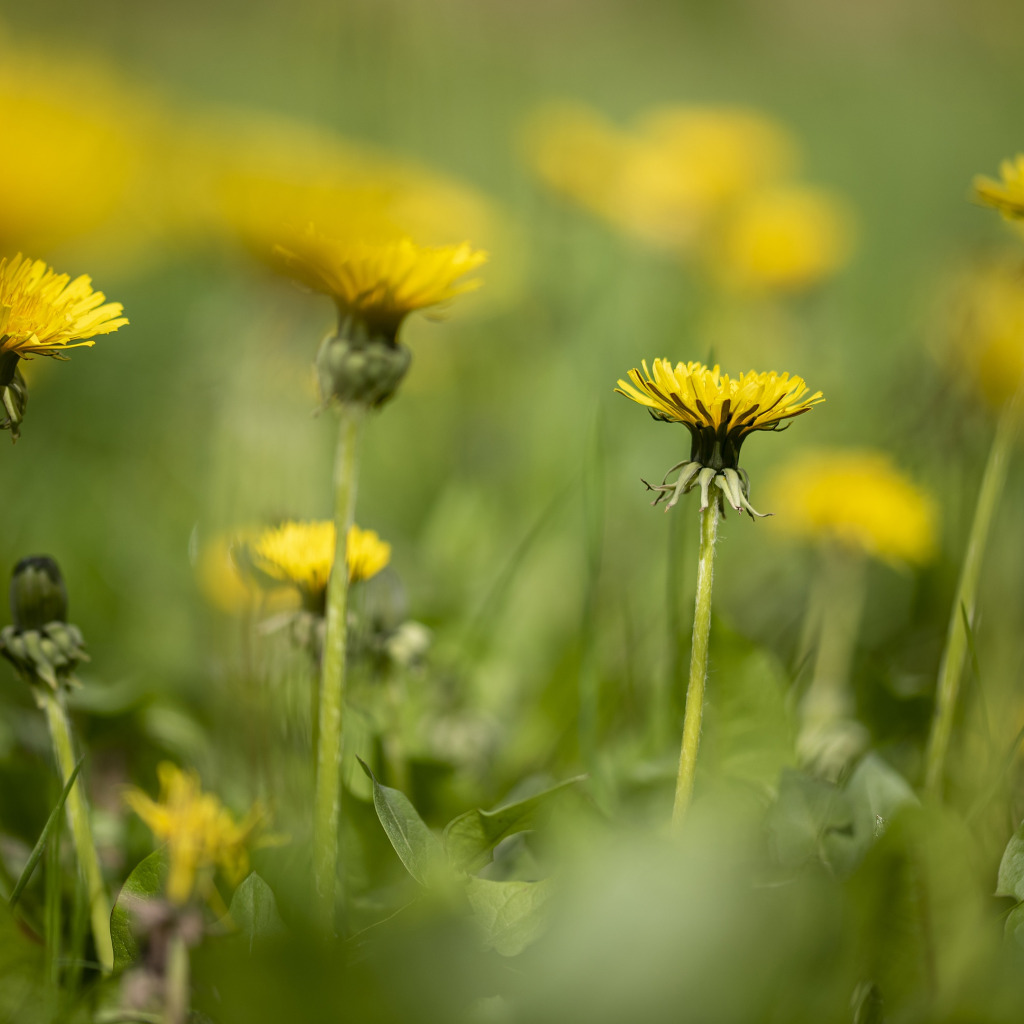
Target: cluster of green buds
x: 359, y: 365
x: 13, y: 394
x: 41, y: 644
x: 731, y: 485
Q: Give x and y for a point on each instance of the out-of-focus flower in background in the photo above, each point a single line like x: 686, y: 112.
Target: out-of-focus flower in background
x: 859, y: 499
x: 785, y: 239
x: 988, y: 328
x: 1006, y: 194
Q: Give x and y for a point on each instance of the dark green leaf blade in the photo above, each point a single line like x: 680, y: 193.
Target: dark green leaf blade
x: 511, y: 914
x: 417, y: 847
x: 146, y: 882
x: 37, y: 850
x: 254, y: 910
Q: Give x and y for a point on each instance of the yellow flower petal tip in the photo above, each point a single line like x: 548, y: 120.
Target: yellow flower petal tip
x: 1007, y: 194
x: 860, y: 499
x: 44, y: 313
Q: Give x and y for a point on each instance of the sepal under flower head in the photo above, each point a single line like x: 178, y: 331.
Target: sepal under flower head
x: 356, y: 368
x: 13, y: 394
x: 720, y: 413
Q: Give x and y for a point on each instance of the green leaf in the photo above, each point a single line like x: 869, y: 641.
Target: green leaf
x: 511, y: 914
x: 1014, y: 928
x: 470, y: 838
x: 809, y: 813
x: 254, y: 910
x: 1011, y: 868
x: 417, y: 847
x: 146, y: 882
x: 37, y: 850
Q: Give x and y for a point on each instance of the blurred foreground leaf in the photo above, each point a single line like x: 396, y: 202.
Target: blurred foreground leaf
x: 1011, y: 868
x: 512, y: 914
x: 254, y: 910
x: 470, y: 838
x: 146, y: 882
x: 417, y: 847
x: 808, y: 815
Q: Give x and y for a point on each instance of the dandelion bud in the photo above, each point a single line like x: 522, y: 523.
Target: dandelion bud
x: 13, y: 395
x: 355, y: 367
x: 38, y: 595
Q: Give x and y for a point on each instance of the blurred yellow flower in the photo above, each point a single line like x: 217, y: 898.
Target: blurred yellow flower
x: 1006, y: 195
x: 302, y: 554
x: 227, y: 587
x: 859, y: 499
x: 44, y: 313
x: 380, y: 283
x: 200, y: 833
x: 665, y: 180
x: 989, y: 329
x: 784, y: 239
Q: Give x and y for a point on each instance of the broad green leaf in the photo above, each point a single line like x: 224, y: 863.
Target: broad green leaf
x: 470, y: 838
x: 1011, y: 868
x: 254, y: 910
x: 511, y: 914
x: 37, y: 850
x: 146, y: 882
x: 23, y: 995
x: 417, y: 847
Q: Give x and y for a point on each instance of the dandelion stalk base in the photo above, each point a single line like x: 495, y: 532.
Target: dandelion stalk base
x: 698, y: 664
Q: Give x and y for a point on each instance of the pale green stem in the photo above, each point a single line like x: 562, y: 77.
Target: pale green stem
x: 81, y: 830
x: 698, y: 663
x: 327, y: 799
x: 951, y: 667
x: 177, y: 984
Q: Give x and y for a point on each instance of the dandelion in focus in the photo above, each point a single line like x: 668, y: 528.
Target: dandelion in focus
x: 855, y: 504
x: 43, y: 313
x: 720, y: 413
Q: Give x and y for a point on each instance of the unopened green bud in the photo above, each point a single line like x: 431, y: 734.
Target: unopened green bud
x: 13, y: 395
x: 38, y: 595
x: 355, y: 367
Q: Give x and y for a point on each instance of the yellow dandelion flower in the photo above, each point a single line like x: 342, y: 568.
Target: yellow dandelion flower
x: 380, y: 283
x: 989, y: 329
x: 226, y: 586
x: 861, y: 500
x: 45, y: 313
x: 366, y: 554
x: 200, y: 833
x: 1006, y: 195
x: 719, y: 412
x: 302, y: 554
x: 784, y: 239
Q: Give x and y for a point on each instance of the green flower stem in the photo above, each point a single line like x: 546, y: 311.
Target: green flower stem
x: 81, y: 830
x: 177, y: 991
x: 327, y: 799
x: 698, y: 663
x: 951, y: 667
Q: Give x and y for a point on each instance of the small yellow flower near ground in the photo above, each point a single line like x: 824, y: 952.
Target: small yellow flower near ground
x: 302, y: 554
x: 200, y: 833
x: 720, y: 413
x: 786, y: 239
x: 1006, y: 195
x: 859, y: 499
x: 44, y: 313
x: 381, y: 282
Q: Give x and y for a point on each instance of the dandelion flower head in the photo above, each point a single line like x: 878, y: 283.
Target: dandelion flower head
x: 44, y: 313
x: 380, y: 282
x: 859, y: 499
x: 719, y: 411
x: 302, y: 554
x: 200, y: 833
